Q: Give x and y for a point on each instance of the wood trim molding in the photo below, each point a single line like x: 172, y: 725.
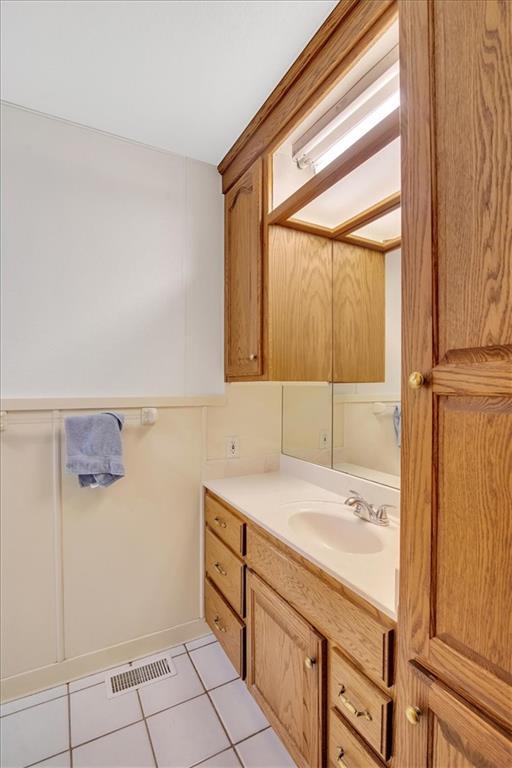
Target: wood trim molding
x: 340, y: 41
x: 373, y: 213
x: 367, y: 146
x: 342, y: 231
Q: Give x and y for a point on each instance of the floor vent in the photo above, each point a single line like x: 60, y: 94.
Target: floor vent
x: 139, y: 675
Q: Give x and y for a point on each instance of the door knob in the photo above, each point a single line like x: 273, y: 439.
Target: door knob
x: 253, y: 357
x: 413, y: 715
x: 309, y: 663
x: 416, y: 380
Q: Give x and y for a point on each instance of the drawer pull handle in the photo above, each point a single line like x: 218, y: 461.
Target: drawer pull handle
x: 220, y: 522
x: 351, y: 708
x: 339, y: 760
x: 219, y: 626
x: 218, y: 567
x: 309, y: 662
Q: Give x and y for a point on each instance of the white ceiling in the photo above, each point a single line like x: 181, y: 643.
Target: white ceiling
x: 183, y: 76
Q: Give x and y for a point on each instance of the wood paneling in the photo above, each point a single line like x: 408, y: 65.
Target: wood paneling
x: 390, y: 203
x: 225, y: 624
x: 372, y: 142
x: 300, y: 300
x: 338, y: 44
x: 226, y: 571
x: 361, y: 636
x: 243, y: 237
x: 289, y: 692
x: 366, y: 708
x: 347, y: 749
x: 358, y: 314
x: 456, y: 529
x: 225, y: 524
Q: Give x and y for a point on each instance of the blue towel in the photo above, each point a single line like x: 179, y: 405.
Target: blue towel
x: 397, y: 424
x: 94, y: 450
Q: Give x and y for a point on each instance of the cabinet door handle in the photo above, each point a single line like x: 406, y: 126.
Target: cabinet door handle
x: 253, y: 357
x: 351, y: 707
x: 339, y: 760
x: 218, y: 567
x: 309, y: 662
x: 220, y: 522
x: 219, y: 626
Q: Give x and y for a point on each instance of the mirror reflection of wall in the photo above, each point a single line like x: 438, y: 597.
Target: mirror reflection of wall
x: 366, y: 416
x: 307, y: 422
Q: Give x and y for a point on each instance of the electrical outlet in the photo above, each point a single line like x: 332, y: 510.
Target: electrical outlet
x: 233, y: 447
x: 324, y: 439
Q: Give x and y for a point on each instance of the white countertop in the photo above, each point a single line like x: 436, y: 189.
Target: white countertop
x: 262, y: 498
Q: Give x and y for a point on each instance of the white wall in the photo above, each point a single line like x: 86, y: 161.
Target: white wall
x: 94, y: 577
x: 112, y: 265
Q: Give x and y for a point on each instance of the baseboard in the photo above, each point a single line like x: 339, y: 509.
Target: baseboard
x: 63, y: 672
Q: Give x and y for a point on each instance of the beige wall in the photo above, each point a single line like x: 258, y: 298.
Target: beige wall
x: 96, y: 576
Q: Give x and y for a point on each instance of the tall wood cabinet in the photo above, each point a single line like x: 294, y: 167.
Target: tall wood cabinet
x: 455, y: 618
x: 243, y: 237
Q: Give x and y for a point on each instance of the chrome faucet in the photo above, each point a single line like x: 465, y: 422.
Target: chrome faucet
x: 366, y: 511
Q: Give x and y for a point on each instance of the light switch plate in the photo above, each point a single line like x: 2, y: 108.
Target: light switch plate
x: 233, y: 447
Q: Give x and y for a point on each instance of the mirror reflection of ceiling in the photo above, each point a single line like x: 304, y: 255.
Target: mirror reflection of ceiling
x: 371, y: 182
x: 388, y: 227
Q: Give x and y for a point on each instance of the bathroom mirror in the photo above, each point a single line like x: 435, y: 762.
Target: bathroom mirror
x: 354, y: 425
x: 307, y: 422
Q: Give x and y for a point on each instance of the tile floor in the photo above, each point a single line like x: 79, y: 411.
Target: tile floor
x: 203, y: 716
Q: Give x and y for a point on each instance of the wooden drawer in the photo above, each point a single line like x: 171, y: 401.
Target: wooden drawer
x: 366, y: 639
x: 225, y: 523
x: 346, y: 750
x: 227, y: 627
x: 226, y: 571
x: 366, y: 707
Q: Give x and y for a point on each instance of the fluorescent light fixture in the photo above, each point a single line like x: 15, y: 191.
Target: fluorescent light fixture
x: 370, y: 100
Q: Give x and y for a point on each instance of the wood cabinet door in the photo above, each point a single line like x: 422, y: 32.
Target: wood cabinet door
x: 358, y: 314
x: 300, y: 306
x: 285, y: 672
x: 244, y: 275
x: 455, y: 615
x: 459, y: 737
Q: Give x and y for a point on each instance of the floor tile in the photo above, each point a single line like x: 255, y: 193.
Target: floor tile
x: 166, y: 693
x: 240, y: 714
x: 213, y: 665
x: 34, y: 734
x: 98, y: 677
x: 200, y: 641
x: 93, y: 714
x: 264, y: 751
x: 35, y: 698
x: 127, y: 748
x: 186, y: 734
x: 57, y: 761
x: 227, y: 759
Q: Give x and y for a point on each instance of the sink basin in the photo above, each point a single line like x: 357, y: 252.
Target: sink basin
x: 333, y: 526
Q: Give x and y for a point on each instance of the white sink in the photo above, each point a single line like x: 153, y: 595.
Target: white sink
x: 333, y: 526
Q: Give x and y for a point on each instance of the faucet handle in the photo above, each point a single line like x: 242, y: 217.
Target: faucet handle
x: 381, y: 512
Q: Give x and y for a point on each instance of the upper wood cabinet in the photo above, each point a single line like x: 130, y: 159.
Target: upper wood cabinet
x: 243, y: 235
x: 285, y: 673
x: 300, y: 306
x: 456, y: 523
x: 358, y: 314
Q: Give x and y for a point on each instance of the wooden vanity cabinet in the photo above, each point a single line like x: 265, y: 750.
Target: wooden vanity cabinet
x: 319, y: 659
x: 286, y: 670
x: 243, y: 270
